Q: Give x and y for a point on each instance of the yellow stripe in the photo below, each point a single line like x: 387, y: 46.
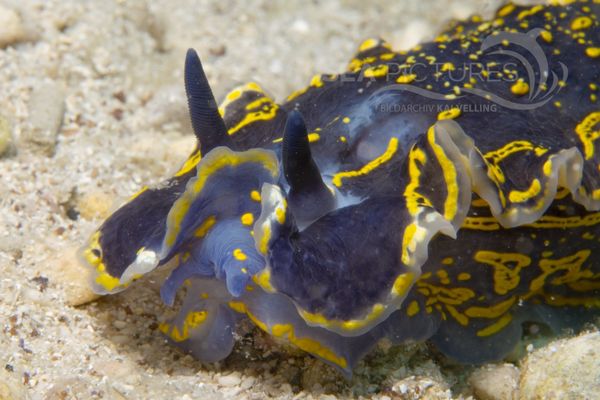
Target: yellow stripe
x: 210, y: 166
x: 496, y: 326
x: 414, y: 199
x: 521, y: 196
x: 587, y: 134
x: 450, y: 176
x: 366, y: 169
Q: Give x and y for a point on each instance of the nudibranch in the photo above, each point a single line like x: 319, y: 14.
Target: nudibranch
x: 448, y: 193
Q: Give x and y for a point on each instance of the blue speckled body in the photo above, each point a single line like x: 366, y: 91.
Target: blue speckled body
x: 449, y: 192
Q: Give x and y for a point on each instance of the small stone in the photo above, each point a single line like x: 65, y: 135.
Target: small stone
x: 46, y: 110
x: 421, y: 387
x: 247, y: 382
x: 120, y: 324
x: 66, y: 270
x: 11, y: 27
x: 5, y: 135
x: 566, y: 369
x: 95, y: 204
x: 229, y: 380
x: 496, y: 382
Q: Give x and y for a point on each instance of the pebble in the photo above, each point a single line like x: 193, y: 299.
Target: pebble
x: 566, y: 369
x: 46, y: 109
x: 496, y: 382
x: 229, y: 380
x: 66, y: 271
x: 5, y: 135
x: 11, y: 27
x: 247, y: 383
x: 95, y: 204
x: 421, y: 387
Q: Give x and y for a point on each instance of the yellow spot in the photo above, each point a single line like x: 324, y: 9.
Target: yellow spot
x: 402, y: 284
x: 377, y: 71
x: 593, y: 52
x: 280, y: 215
x: 368, y: 44
x: 255, y: 195
x: 237, y: 93
x: 237, y: 306
x: 505, y: 10
x: 588, y: 236
x: 581, y: 23
x: 406, y: 78
x: 205, y: 226
x: 263, y: 279
x: 107, y: 282
x: 483, y: 27
x: 247, y: 219
x: 309, y: 345
x: 520, y: 88
x: 448, y: 261
x: 496, y: 326
x: 546, y: 36
x: 527, y: 13
x: 448, y: 67
x: 587, y: 134
x: 451, y: 113
x: 413, y: 308
x: 443, y: 275
x: 346, y: 120
x: 233, y: 95
x: 463, y: 276
x: 518, y: 196
x: 547, y: 168
x: 369, y: 167
x: 204, y: 296
x: 239, y: 255
x: 313, y: 137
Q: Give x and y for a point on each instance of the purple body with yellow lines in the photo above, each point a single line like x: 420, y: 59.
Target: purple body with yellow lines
x: 447, y: 193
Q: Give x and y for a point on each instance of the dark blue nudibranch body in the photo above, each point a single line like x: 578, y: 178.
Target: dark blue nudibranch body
x: 446, y: 193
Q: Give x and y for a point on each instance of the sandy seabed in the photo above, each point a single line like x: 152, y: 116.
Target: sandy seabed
x: 92, y: 107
